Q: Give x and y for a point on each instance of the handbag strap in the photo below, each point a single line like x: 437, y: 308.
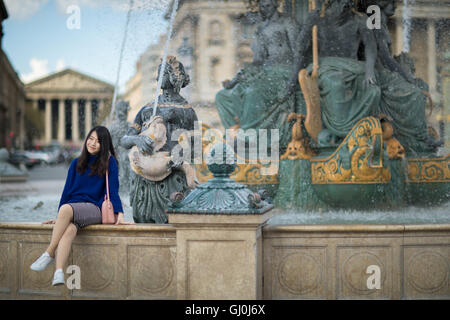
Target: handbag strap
x: 107, y: 184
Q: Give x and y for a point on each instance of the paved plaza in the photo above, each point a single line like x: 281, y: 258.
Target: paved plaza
x: 37, y: 199
x: 41, y: 180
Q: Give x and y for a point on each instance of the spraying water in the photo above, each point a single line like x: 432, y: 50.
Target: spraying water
x: 116, y: 87
x: 166, y: 49
x: 158, y: 88
x: 406, y: 17
x: 408, y: 215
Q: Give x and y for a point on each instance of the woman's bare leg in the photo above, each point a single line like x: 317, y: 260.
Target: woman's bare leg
x: 65, y: 217
x: 64, y: 246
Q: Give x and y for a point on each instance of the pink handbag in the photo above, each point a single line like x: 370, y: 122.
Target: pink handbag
x: 108, y: 216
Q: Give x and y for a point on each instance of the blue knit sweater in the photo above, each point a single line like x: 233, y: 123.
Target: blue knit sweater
x: 86, y: 188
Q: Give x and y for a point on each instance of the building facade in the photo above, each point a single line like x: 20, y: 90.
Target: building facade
x: 70, y: 103
x: 12, y: 99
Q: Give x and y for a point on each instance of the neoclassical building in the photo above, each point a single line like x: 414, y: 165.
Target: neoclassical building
x: 71, y: 104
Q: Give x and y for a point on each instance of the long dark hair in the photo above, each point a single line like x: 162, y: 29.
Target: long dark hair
x: 101, y: 164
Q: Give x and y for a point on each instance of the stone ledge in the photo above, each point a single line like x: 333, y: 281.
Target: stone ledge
x: 145, y: 261
x: 116, y: 262
x: 182, y: 220
x: 270, y: 229
x: 141, y: 227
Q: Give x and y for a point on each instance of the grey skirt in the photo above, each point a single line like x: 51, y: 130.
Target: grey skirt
x: 85, y: 214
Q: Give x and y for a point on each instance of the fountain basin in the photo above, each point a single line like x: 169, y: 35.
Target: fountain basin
x: 300, y: 261
x: 334, y: 261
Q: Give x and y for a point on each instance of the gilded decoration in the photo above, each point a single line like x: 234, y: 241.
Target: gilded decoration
x: 309, y: 84
x: 359, y: 159
x: 246, y: 173
x: 298, y: 147
x: 429, y: 170
x: 310, y: 89
x: 394, y: 148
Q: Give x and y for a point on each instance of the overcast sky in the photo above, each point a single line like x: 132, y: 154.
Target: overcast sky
x: 45, y: 36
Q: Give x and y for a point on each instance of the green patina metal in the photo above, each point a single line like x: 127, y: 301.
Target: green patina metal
x: 220, y: 195
x: 296, y: 190
x: 374, y: 149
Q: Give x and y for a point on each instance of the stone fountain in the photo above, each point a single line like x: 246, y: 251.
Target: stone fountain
x: 343, y: 146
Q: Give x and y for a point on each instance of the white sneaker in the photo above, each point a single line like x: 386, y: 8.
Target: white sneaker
x: 42, y: 262
x: 58, y: 278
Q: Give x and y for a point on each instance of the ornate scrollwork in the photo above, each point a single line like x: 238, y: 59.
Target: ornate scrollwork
x: 359, y: 159
x: 429, y: 170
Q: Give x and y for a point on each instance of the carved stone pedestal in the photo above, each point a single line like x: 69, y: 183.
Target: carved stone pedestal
x: 219, y: 256
x: 219, y: 243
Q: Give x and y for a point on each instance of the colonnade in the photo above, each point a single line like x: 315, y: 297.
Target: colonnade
x: 68, y: 118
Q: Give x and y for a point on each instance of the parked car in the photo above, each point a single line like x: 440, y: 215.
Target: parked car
x: 39, y: 156
x: 54, y: 152
x: 20, y: 156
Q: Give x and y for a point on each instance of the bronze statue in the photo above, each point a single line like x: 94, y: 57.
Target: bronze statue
x: 250, y: 99
x: 158, y: 172
x: 351, y: 89
x: 348, y: 90
x: 401, y: 97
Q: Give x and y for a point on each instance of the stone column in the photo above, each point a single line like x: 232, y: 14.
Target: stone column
x: 48, y: 121
x: 431, y: 45
x: 75, y: 120
x: 101, y: 104
x: 101, y: 107
x: 88, y: 116
x: 35, y: 104
x: 61, y: 121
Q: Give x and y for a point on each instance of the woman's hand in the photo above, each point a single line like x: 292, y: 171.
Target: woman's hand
x: 53, y: 221
x: 121, y: 220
